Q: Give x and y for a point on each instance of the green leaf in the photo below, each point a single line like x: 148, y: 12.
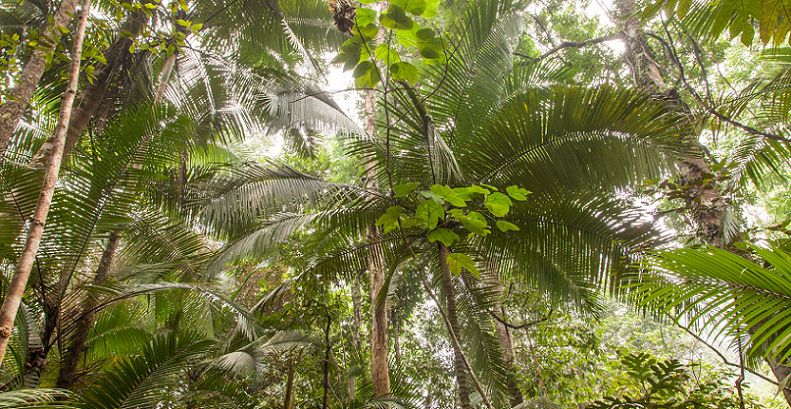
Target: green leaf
x: 396, y: 18
x: 431, y: 195
x: 475, y: 223
x: 389, y: 220
x: 425, y: 34
x: 409, y: 223
x: 455, y: 213
x: 404, y: 71
x: 517, y: 193
x: 366, y: 75
x: 416, y: 7
x: 404, y: 189
x: 479, y: 190
x: 457, y: 261
x: 505, y: 226
x: 365, y: 16
x: 368, y: 31
x: 444, y: 236
x: 464, y: 193
x: 386, y: 54
x: 431, y: 212
x: 498, y: 203
x: 430, y: 8
x: 449, y: 195
x: 408, y: 38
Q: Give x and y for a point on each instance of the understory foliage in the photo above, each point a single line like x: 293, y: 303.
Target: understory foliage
x: 515, y: 204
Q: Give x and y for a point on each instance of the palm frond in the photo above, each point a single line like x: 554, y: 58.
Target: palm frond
x: 142, y: 381
x: 719, y: 292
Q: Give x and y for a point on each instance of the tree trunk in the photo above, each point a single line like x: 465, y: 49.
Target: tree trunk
x: 505, y: 340
x: 358, y: 323
x: 289, y: 403
x: 380, y: 368
x: 15, y: 106
x: 327, y: 351
x: 92, y: 97
x: 170, y: 62
x: 450, y: 300
x: 19, y: 281
x: 708, y: 208
x: 164, y: 76
x: 397, y: 342
x: 71, y: 359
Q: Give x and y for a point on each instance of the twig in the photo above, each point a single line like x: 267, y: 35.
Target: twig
x: 525, y: 325
x: 722, y: 357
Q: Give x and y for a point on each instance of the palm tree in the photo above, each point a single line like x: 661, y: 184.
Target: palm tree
x: 16, y: 288
x: 557, y: 141
x: 226, y: 94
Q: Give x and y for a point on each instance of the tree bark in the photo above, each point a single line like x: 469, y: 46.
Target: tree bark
x: 327, y: 351
x: 289, y: 403
x: 358, y: 323
x: 19, y: 281
x: 450, y: 300
x: 380, y: 367
x: 505, y: 340
x: 71, y: 359
x: 92, y: 97
x: 397, y: 342
x: 170, y: 62
x: 708, y: 208
x: 15, y: 106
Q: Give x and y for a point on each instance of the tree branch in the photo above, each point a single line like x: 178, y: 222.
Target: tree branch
x: 520, y: 326
x: 750, y: 130
x: 573, y: 44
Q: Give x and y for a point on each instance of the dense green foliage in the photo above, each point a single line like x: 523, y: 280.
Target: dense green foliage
x: 538, y: 204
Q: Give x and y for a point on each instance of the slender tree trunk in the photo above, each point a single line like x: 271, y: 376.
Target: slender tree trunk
x: 36, y: 226
x: 708, y: 208
x: 505, y: 340
x: 71, y: 359
x: 450, y: 300
x: 358, y: 323
x: 92, y: 97
x: 15, y: 106
x: 170, y: 62
x: 164, y: 76
x: 289, y: 403
x: 380, y: 368
x: 397, y: 342
x: 327, y: 351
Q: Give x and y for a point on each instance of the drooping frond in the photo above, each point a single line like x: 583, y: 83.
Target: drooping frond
x: 41, y: 398
x: 561, y: 138
x: 234, y: 202
x: 570, y: 247
x: 143, y: 381
x: 719, y: 292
